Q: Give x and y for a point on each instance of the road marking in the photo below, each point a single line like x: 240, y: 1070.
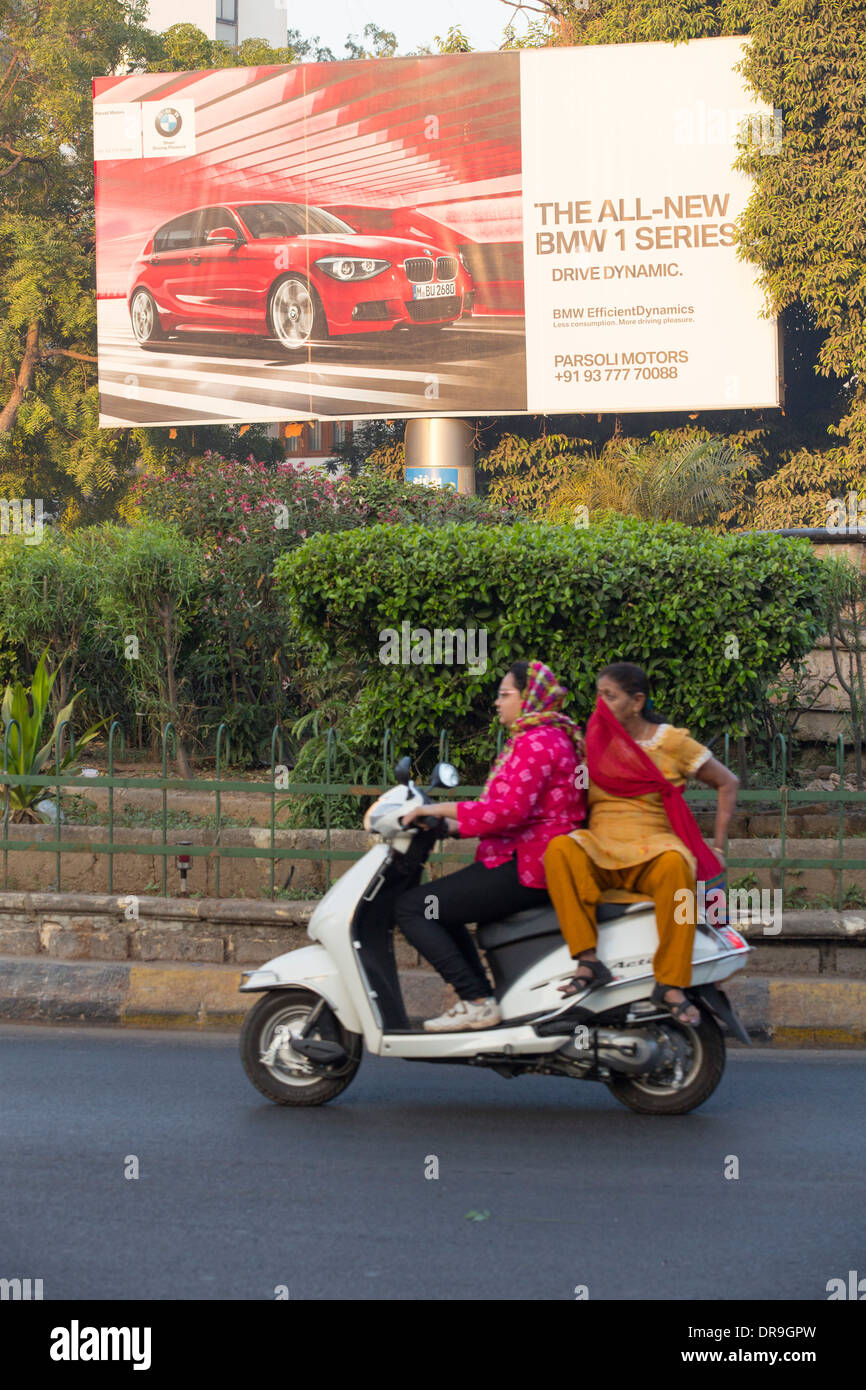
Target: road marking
x: 167, y: 397
x: 155, y: 364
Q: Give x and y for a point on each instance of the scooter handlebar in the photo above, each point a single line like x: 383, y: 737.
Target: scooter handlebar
x: 422, y: 823
x: 436, y: 823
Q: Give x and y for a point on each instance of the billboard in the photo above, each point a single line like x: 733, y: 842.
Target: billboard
x: 542, y: 231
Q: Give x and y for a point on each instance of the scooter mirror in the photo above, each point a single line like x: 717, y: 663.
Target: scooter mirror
x: 403, y: 771
x: 444, y: 775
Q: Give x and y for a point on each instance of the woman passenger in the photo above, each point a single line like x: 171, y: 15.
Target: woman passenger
x: 640, y: 836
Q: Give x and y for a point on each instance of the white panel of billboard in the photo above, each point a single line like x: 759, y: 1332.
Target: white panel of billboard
x: 635, y: 297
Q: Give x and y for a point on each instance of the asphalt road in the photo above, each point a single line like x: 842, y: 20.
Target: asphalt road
x: 236, y: 1196
x: 475, y: 365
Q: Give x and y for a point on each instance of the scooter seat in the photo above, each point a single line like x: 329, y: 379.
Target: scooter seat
x: 543, y: 921
x: 608, y: 912
x: 534, y: 921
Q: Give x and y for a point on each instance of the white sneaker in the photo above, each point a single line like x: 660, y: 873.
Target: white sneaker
x: 466, y: 1014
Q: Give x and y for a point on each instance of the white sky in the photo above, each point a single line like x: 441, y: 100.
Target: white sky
x: 333, y: 20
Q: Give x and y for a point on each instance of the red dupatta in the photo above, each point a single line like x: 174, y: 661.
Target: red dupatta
x: 621, y: 768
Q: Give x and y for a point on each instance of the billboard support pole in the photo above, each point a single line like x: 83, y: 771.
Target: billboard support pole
x: 440, y: 452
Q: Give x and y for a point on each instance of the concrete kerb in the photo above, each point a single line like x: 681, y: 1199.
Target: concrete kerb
x: 805, y: 1012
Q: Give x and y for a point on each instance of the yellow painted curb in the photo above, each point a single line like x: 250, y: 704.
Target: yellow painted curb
x: 183, y: 996
x: 819, y: 1037
x: 828, y: 1006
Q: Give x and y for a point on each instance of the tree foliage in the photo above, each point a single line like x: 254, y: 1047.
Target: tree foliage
x: 803, y: 226
x: 50, y: 443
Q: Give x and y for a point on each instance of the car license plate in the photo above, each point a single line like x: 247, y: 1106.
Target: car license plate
x: 443, y: 290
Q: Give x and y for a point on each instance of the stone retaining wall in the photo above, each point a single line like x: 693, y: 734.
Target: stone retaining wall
x: 99, y: 927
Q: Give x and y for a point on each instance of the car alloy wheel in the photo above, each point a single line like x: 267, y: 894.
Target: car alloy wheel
x: 295, y: 315
x: 145, y: 322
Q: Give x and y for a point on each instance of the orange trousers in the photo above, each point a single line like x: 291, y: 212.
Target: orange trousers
x: 575, y: 884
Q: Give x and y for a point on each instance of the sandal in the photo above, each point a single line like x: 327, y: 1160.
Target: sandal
x: 678, y: 1008
x: 580, y: 983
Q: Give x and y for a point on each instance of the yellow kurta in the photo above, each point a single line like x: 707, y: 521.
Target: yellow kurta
x: 632, y: 830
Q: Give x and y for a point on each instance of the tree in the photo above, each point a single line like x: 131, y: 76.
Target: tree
x: 382, y: 43
x: 688, y: 476
x: 376, y: 445
x: 809, y: 489
x: 308, y: 50
x: 50, y: 443
x: 184, y: 48
x: 692, y: 481
x: 530, y: 473
x: 803, y: 224
x: 455, y: 41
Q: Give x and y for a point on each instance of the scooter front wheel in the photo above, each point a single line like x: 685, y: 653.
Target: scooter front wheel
x: 272, y: 1064
x: 695, y: 1064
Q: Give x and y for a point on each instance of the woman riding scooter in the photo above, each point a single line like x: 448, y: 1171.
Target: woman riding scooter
x: 531, y: 796
x: 641, y: 836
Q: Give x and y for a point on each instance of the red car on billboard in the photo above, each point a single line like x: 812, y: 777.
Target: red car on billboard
x: 289, y: 271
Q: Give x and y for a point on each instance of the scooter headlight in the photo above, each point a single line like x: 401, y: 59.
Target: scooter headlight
x: 352, y: 267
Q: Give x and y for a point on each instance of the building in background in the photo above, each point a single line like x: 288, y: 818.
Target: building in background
x: 313, y: 441
x: 231, y: 21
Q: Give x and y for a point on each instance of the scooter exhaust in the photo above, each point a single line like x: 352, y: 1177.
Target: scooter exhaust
x: 631, y: 1053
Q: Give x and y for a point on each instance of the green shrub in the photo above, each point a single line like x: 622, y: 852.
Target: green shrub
x: 48, y: 599
x: 150, y: 591
x: 711, y: 618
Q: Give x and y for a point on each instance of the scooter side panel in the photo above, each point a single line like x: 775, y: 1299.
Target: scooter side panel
x: 520, y: 1040
x: 338, y: 905
x: 313, y: 968
x: 627, y: 946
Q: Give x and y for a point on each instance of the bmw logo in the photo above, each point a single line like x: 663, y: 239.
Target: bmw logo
x: 168, y: 122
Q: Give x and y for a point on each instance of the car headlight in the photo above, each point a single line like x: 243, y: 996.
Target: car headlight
x: 464, y: 259
x: 351, y: 267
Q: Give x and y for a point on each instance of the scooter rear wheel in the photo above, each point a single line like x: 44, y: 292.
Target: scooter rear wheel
x: 704, y: 1049
x: 275, y: 1068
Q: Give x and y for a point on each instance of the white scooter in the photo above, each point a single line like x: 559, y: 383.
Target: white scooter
x: 301, y: 1044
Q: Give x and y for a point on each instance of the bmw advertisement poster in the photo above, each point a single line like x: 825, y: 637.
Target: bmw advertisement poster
x: 549, y: 230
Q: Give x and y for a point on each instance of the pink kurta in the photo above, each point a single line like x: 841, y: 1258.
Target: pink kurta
x: 533, y: 798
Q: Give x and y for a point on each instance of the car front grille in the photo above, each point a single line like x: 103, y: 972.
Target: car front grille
x: 423, y: 310
x: 419, y: 269
x: 446, y: 268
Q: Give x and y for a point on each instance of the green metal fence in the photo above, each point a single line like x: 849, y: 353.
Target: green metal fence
x: 781, y: 799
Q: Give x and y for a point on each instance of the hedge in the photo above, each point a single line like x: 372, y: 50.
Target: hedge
x: 712, y: 618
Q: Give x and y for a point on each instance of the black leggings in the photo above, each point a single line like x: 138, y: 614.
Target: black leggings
x: 433, y: 918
